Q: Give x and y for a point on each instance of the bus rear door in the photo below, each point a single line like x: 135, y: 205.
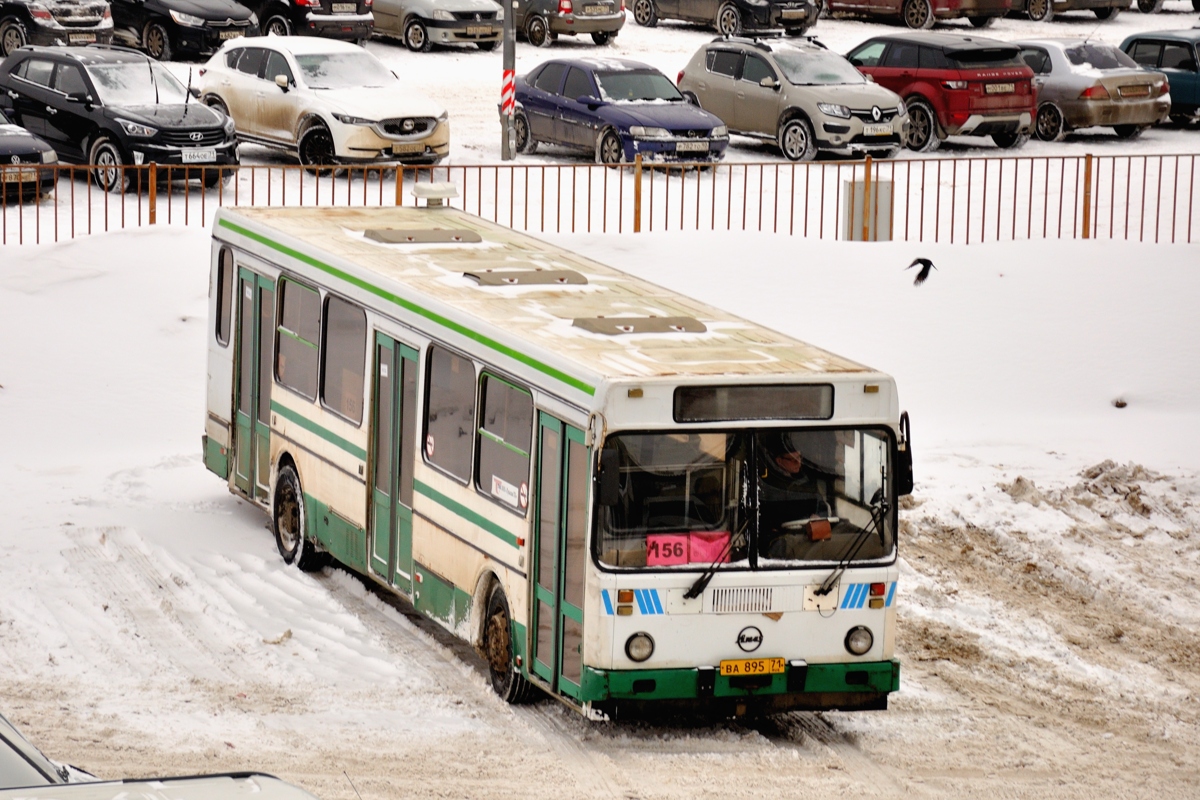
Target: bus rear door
x: 394, y: 423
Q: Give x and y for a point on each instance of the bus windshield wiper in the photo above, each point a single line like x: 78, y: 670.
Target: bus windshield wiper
x: 879, y: 503
x: 702, y: 582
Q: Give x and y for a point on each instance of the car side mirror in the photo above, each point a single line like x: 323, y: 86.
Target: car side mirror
x: 589, y: 101
x: 870, y: 78
x: 78, y: 97
x: 282, y: 82
x: 768, y: 83
x: 903, y: 464
x: 194, y: 91
x: 609, y: 478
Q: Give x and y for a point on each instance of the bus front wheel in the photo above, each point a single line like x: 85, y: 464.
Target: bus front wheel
x: 498, y: 650
x: 288, y: 521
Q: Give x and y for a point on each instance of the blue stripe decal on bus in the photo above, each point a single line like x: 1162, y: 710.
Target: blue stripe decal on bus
x: 848, y: 597
x: 658, y: 609
x: 862, y: 595
x: 608, y: 609
x: 641, y: 601
x: 891, y: 594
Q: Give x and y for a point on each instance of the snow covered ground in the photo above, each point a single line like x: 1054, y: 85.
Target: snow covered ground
x: 1049, y: 611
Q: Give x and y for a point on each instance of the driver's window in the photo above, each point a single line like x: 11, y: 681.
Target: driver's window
x: 69, y: 80
x: 869, y: 55
x: 277, y: 65
x: 578, y: 85
x: 755, y: 69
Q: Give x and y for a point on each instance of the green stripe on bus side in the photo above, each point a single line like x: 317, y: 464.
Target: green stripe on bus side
x: 464, y: 512
x: 312, y: 427
x: 462, y: 330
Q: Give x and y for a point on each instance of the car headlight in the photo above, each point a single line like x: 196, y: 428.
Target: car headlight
x: 834, y: 110
x: 347, y: 119
x: 639, y: 647
x: 137, y: 128
x: 859, y: 640
x: 445, y: 115
x: 229, y: 126
x: 719, y: 132
x: 642, y: 132
x: 443, y: 15
x: 901, y: 110
x: 254, y: 19
x: 500, y: 15
x: 187, y: 20
x: 49, y: 157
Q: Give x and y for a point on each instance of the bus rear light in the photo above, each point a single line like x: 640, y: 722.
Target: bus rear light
x: 625, y: 595
x: 878, y: 589
x: 876, y: 602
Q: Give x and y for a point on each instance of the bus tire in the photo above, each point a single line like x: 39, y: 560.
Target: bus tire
x: 507, y: 681
x: 288, y: 520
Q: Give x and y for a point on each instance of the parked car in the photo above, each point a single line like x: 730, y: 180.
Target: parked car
x: 1083, y: 84
x: 921, y: 14
x: 23, y: 765
x: 112, y: 107
x: 53, y: 22
x: 800, y: 96
x: 333, y: 19
x: 171, y: 29
x: 1174, y: 53
x: 543, y: 21
x: 616, y: 109
x: 21, y: 156
x: 1044, y: 10
x: 421, y: 24
x: 326, y: 101
x: 953, y: 85
x: 1155, y: 6
x: 732, y: 17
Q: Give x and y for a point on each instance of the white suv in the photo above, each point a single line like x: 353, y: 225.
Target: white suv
x: 326, y: 101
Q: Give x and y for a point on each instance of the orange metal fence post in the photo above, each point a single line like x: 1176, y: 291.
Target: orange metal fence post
x: 1087, y: 196
x: 153, y: 193
x: 637, y: 193
x: 399, y: 185
x: 866, y: 209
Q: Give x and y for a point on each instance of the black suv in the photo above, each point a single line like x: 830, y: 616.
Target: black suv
x: 731, y: 17
x: 109, y: 107
x: 170, y: 29
x: 58, y: 22
x: 334, y: 19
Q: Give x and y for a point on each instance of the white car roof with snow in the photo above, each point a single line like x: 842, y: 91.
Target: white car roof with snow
x: 249, y: 785
x: 298, y: 45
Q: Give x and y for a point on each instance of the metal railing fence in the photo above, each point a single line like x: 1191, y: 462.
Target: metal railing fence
x: 1144, y: 198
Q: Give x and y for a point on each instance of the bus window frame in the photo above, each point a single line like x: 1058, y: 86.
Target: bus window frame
x: 280, y: 295
x: 224, y: 295
x: 321, y: 353
x: 427, y: 376
x: 488, y: 372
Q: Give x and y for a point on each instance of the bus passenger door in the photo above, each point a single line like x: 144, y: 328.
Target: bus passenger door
x: 255, y: 340
x: 394, y: 422
x: 560, y: 547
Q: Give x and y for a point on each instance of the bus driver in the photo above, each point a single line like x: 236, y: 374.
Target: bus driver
x: 790, y: 494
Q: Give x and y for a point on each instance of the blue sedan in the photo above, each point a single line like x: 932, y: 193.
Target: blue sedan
x: 615, y: 109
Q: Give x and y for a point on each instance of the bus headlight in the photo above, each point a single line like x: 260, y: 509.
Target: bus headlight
x: 639, y: 647
x: 858, y: 640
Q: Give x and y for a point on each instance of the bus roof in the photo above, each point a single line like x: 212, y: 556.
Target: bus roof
x: 573, y: 319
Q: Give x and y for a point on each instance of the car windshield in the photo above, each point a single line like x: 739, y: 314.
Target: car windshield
x: 1098, y: 56
x: 636, y: 86
x: 136, y: 83
x: 344, y: 71
x: 816, y: 69
x: 755, y: 499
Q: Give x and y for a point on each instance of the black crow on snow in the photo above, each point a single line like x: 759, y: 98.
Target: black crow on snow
x: 926, y: 265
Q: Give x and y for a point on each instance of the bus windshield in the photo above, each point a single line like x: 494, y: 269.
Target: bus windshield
x: 758, y: 499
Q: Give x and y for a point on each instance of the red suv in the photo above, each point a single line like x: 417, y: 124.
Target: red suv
x: 953, y: 85
x: 920, y: 14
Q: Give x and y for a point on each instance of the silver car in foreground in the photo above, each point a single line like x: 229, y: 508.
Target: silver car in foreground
x: 421, y: 24
x: 1084, y: 84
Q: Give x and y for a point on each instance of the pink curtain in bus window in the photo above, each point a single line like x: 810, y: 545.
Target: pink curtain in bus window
x: 666, y: 549
x: 708, y: 546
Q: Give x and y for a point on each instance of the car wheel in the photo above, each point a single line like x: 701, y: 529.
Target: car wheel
x: 416, y: 37
x: 278, y: 25
x: 288, y: 523
x: 109, y: 166
x: 1010, y: 141
x: 487, y: 47
x: 602, y: 37
x: 1149, y: 6
x: 214, y: 176
x: 922, y: 127
x: 12, y: 36
x: 1040, y: 10
x: 507, y: 682
x: 525, y: 142
x: 796, y: 140
x: 316, y: 150
x: 537, y: 31
x: 795, y: 31
x: 918, y: 14
x: 1129, y: 131
x: 1109, y: 13
x: 216, y: 104
x: 981, y: 22
x: 609, y: 150
x: 729, y: 20
x: 646, y: 14
x: 156, y: 41
x: 1049, y: 124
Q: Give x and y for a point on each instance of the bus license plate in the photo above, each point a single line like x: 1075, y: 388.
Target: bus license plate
x: 752, y: 666
x: 479, y: 30
x: 231, y: 34
x: 15, y: 175
x: 345, y: 8
x: 81, y: 38
x: 1000, y: 88
x: 881, y: 129
x: 691, y: 147
x: 407, y: 147
x: 199, y: 155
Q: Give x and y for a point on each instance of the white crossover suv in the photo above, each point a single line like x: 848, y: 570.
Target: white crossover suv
x: 324, y: 100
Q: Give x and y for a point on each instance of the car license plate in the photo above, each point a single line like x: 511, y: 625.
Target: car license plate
x: 16, y: 175
x: 597, y: 9
x: 1000, y: 88
x: 793, y: 13
x: 877, y: 129
x: 231, y: 34
x: 401, y: 148
x: 345, y: 8
x: 691, y: 147
x: 479, y: 30
x: 81, y: 38
x: 1142, y: 90
x: 199, y: 155
x: 752, y: 666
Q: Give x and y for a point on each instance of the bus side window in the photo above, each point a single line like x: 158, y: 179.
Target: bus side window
x: 343, y: 357
x: 450, y: 412
x: 506, y: 416
x: 299, y: 332
x: 225, y: 270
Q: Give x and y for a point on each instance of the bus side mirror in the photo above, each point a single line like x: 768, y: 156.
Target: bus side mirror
x: 609, y: 479
x: 904, y: 467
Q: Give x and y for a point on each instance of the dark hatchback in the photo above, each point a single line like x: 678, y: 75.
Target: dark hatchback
x: 731, y: 17
x: 616, y: 109
x: 171, y: 29
x: 112, y: 107
x: 333, y: 19
x: 23, y: 175
x: 60, y: 22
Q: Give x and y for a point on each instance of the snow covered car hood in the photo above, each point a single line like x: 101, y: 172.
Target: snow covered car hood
x: 379, y: 102
x: 677, y: 114
x: 457, y: 5
x: 170, y: 115
x: 211, y: 10
x: 15, y: 140
x: 863, y: 95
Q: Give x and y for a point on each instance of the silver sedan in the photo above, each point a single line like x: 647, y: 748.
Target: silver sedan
x: 1083, y: 84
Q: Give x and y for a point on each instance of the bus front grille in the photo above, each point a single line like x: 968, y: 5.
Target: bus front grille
x: 742, y: 600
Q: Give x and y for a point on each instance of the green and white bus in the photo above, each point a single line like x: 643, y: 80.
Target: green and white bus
x: 622, y: 497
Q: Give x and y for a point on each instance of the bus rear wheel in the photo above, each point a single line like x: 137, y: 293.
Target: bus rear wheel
x: 288, y: 521
x: 498, y: 650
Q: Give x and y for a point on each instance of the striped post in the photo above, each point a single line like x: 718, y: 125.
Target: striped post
x: 507, y: 92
